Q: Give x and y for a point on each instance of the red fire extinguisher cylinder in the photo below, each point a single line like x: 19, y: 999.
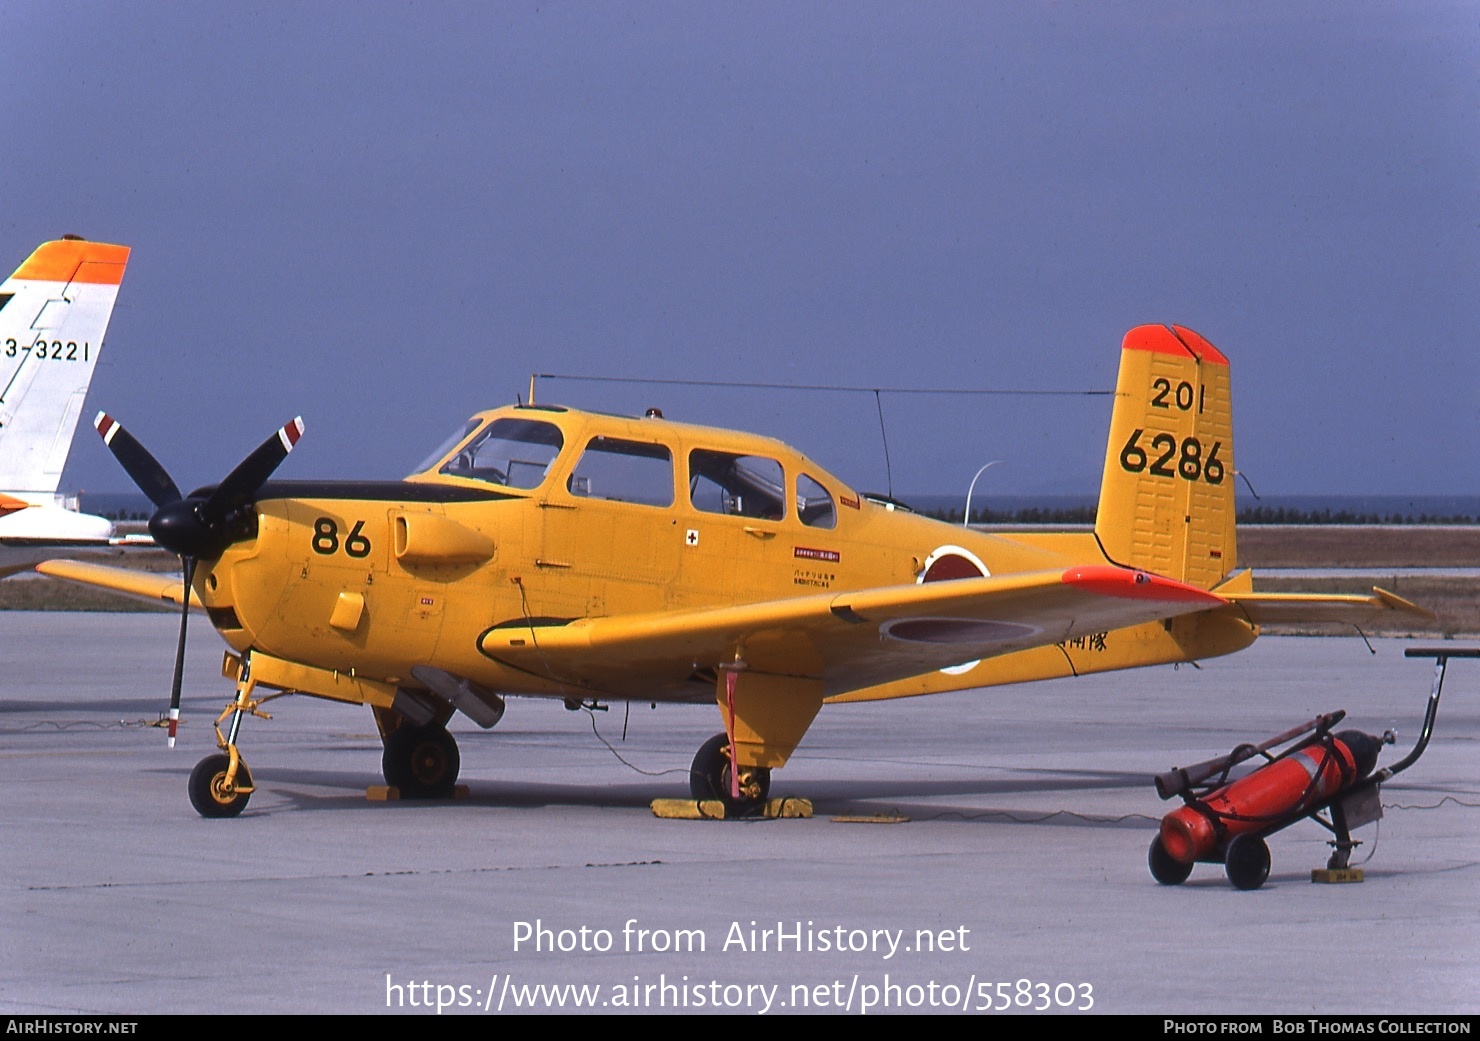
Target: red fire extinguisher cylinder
x: 1268, y: 797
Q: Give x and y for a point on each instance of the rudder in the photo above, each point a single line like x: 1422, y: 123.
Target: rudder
x: 1166, y: 499
x: 54, y: 311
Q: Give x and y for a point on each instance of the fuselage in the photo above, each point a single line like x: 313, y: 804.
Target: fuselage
x: 540, y: 516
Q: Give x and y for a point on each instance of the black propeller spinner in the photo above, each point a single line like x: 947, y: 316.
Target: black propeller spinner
x: 199, y: 526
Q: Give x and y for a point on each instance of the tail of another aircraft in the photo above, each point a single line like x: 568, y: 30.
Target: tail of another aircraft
x: 53, y: 313
x: 1166, y: 500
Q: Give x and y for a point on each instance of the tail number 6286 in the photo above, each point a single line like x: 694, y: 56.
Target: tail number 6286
x: 1169, y: 458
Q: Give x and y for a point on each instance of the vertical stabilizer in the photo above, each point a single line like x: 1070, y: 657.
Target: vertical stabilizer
x: 1166, y: 501
x: 53, y: 313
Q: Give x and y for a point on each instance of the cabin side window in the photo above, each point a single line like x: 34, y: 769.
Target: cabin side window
x: 624, y: 471
x: 515, y: 453
x: 736, y: 485
x: 815, y: 504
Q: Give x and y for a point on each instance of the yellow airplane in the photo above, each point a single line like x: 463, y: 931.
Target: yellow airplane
x: 549, y: 552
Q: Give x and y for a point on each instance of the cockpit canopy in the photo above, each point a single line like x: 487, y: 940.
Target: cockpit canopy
x: 620, y: 460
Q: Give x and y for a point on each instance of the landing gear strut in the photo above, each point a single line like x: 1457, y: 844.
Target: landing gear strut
x: 709, y: 778
x: 221, y: 784
x: 421, y: 761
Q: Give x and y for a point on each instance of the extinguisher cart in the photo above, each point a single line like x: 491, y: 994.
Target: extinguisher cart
x: 1324, y: 776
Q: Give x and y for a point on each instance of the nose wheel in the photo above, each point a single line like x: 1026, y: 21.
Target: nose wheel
x: 221, y: 784
x: 216, y: 790
x: 709, y: 778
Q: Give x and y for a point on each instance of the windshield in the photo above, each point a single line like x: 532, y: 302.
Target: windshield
x: 446, y: 446
x: 515, y: 453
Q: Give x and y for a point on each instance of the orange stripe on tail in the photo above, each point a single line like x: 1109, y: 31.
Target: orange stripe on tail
x: 75, y: 260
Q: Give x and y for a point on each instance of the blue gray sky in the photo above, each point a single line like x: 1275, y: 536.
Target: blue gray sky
x: 385, y: 216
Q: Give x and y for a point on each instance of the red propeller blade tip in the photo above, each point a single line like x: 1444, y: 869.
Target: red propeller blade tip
x: 290, y: 434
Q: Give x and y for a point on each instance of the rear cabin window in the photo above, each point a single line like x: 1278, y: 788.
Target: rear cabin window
x: 736, y: 485
x: 815, y: 504
x: 624, y: 471
x: 515, y: 453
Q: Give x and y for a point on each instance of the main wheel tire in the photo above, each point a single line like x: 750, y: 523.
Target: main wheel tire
x: 1247, y: 862
x: 709, y: 778
x: 1164, y: 867
x: 208, y: 792
x: 421, y: 761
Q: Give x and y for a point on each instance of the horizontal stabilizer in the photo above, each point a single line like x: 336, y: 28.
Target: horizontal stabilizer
x: 1310, y: 608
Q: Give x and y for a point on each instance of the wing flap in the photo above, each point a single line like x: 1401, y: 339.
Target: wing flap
x: 144, y: 585
x: 849, y: 639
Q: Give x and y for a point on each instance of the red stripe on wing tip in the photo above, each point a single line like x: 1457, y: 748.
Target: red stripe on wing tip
x: 1106, y: 580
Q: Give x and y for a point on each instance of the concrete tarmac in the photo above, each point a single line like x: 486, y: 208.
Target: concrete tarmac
x: 1019, y: 877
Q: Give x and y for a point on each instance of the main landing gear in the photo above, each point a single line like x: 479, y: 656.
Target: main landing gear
x: 709, y: 778
x: 421, y: 761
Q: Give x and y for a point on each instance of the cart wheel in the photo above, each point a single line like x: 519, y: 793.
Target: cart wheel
x: 1164, y: 867
x: 1247, y: 862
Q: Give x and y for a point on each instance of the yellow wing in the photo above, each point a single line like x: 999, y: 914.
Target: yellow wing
x: 143, y: 585
x: 847, y: 640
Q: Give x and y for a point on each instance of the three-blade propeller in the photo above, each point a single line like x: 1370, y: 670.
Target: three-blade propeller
x: 198, y: 526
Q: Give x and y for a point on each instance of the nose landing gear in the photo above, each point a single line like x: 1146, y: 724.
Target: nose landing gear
x: 219, y: 787
x: 221, y: 784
